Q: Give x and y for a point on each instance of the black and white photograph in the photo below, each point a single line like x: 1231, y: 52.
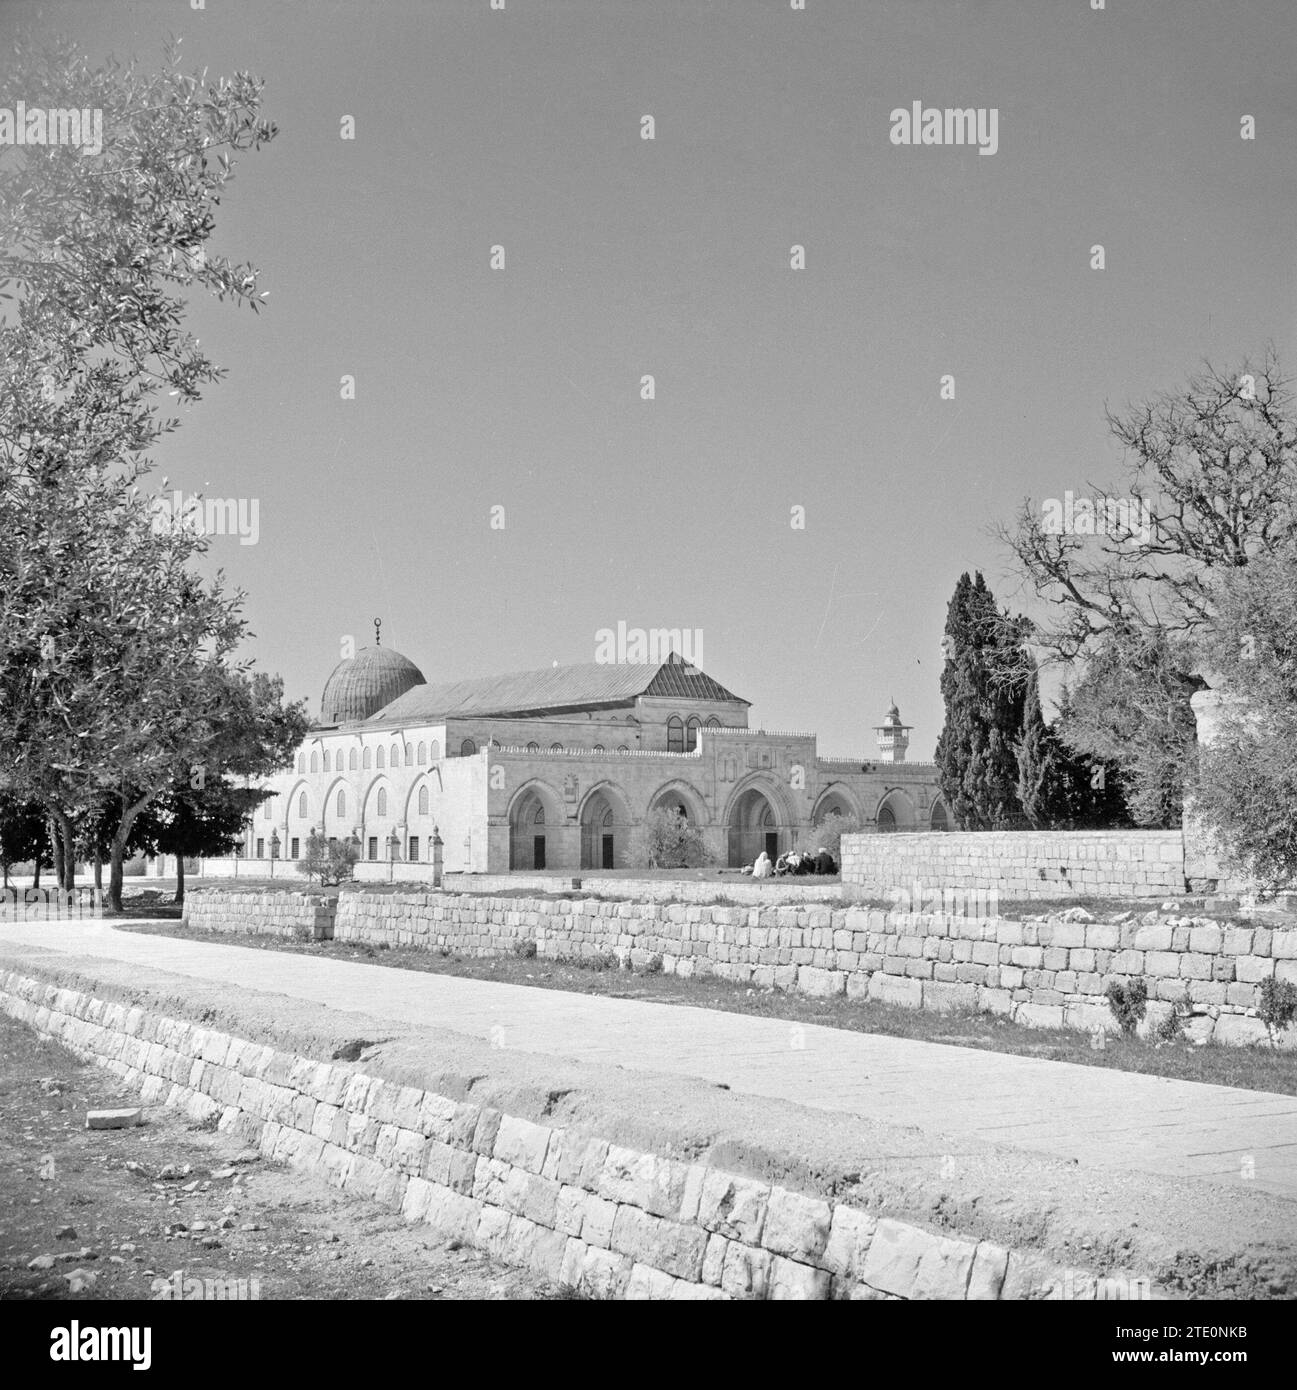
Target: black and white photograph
x: 648, y: 652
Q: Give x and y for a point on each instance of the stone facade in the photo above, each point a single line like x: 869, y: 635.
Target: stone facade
x: 1022, y: 864
x: 607, y: 1220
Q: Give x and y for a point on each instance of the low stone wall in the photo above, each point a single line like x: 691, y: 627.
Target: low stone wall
x: 1022, y: 864
x: 736, y: 888
x: 607, y: 1220
x: 1050, y: 972
x: 300, y: 916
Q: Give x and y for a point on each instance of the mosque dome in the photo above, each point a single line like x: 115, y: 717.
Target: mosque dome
x: 363, y: 684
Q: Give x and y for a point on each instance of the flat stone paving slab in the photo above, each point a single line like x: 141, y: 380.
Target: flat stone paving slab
x: 1098, y: 1117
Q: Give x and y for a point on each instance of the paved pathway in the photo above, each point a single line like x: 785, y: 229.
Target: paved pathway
x: 1099, y: 1117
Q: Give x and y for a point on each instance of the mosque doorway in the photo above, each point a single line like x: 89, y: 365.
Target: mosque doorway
x: 753, y: 828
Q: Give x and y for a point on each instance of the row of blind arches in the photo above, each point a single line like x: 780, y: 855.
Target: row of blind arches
x: 682, y: 737
x: 378, y: 757
x: 340, y: 804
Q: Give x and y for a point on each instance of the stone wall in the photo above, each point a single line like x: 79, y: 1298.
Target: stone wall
x: 1049, y: 972
x: 1022, y: 864
x: 300, y: 916
x: 608, y: 1220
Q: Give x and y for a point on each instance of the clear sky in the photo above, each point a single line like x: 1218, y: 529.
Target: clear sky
x: 820, y: 388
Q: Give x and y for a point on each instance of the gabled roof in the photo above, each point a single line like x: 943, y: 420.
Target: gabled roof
x: 554, y: 690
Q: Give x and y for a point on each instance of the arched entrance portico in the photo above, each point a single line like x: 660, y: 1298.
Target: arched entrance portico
x: 753, y: 827
x: 533, y: 818
x: 604, y: 826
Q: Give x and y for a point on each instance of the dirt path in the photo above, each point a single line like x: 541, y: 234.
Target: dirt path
x: 119, y: 1212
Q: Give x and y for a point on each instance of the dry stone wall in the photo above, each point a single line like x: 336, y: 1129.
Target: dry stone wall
x: 299, y: 916
x: 1049, y: 972
x: 1022, y: 864
x: 605, y: 1219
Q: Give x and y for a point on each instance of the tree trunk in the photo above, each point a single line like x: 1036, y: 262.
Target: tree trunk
x: 99, y: 867
x: 69, y: 839
x: 56, y: 849
x: 117, y: 852
x: 180, y: 878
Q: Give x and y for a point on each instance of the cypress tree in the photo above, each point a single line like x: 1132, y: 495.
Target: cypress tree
x: 984, y: 687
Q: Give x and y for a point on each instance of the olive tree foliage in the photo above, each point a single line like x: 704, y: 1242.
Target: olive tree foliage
x: 111, y: 645
x: 669, y: 840
x: 1128, y: 592
x: 1245, y: 786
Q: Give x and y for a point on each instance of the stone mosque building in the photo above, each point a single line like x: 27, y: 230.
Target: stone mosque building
x: 555, y: 769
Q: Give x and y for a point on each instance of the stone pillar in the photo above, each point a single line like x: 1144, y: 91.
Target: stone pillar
x: 436, y: 857
x: 1202, y: 868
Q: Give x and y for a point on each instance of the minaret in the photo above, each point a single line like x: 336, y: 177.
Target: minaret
x: 893, y: 736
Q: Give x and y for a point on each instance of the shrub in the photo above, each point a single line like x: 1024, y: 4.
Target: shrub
x: 1278, y: 1006
x: 653, y: 966
x: 1127, y: 1003
x: 667, y: 839
x: 829, y: 832
x: 525, y: 949
x: 330, y: 863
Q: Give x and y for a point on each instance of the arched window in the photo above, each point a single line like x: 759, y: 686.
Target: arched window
x: 423, y: 754
x: 301, y: 805
x: 369, y: 758
x: 533, y: 748
x: 886, y: 820
x: 327, y: 760
x: 342, y: 802
x: 351, y: 760
x: 940, y: 821
x: 467, y: 748
x: 315, y: 761
x: 556, y: 748
x: 539, y: 818
x: 301, y: 762
x: 691, y: 733
x: 269, y: 812
x: 382, y: 801
x: 423, y: 801
x: 380, y: 758
x: 434, y: 751
x: 713, y: 722
x: 675, y: 734
x: 621, y: 748
x: 396, y: 756
x: 598, y: 748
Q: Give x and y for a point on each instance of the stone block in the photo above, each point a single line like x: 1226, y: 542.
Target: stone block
x: 733, y: 1206
x: 655, y: 1241
x: 893, y: 989
x: 746, y: 1271
x: 648, y: 1285
x: 796, y: 1225
x: 1239, y: 1030
x: 1154, y: 936
x: 850, y: 1232
x: 1163, y: 964
x: 596, y: 1228
x: 911, y: 1263
x: 1206, y: 940
x: 789, y: 1280
x: 650, y: 1181
x: 990, y: 1263
x: 522, y: 1143
x: 821, y: 983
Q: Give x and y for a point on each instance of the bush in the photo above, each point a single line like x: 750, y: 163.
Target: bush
x: 1278, y: 1006
x: 829, y: 832
x: 1128, y: 1003
x: 669, y: 840
x: 525, y: 949
x: 330, y: 863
